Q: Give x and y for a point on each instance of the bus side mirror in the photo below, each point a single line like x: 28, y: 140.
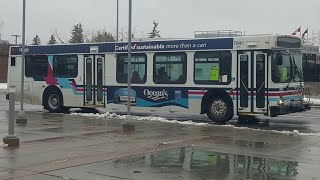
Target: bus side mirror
x: 279, y: 60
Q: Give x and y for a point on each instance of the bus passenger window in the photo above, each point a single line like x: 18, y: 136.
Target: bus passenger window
x: 138, y: 65
x: 212, y: 67
x: 170, y: 68
x: 65, y: 66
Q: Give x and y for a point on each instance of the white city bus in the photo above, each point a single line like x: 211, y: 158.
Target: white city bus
x: 222, y: 77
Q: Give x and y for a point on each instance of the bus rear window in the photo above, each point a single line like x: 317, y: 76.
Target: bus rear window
x: 36, y: 66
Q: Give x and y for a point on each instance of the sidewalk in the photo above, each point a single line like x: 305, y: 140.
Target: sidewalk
x: 315, y: 101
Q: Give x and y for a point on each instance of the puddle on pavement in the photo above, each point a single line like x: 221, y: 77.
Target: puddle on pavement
x: 187, y: 163
x: 54, y: 129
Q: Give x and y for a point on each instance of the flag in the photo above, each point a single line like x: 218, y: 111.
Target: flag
x: 305, y: 32
x: 295, y: 32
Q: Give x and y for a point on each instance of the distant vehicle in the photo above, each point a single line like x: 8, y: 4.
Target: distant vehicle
x: 222, y: 77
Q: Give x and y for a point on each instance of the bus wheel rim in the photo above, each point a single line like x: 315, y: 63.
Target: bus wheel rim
x: 53, y: 101
x: 219, y: 108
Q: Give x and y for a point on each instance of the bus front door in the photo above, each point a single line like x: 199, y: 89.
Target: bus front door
x: 252, y: 86
x: 94, y: 95
x: 260, y: 82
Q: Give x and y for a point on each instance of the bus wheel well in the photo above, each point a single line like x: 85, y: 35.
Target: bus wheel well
x: 48, y: 90
x: 212, y: 93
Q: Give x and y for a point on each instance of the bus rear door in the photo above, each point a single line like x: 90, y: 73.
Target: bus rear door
x: 94, y: 71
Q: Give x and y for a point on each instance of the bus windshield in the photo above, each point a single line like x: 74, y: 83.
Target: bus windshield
x: 297, y: 66
x: 281, y: 67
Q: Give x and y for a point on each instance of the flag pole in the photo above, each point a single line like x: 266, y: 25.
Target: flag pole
x: 308, y: 34
x: 300, y: 31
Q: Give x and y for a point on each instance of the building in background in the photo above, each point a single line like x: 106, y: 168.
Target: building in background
x: 4, y: 55
x: 218, y: 33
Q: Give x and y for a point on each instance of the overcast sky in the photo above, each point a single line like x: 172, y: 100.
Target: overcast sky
x: 177, y: 18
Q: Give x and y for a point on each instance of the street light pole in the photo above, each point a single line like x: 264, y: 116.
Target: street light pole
x: 21, y: 116
x: 129, y: 60
x: 117, y: 20
x: 128, y: 125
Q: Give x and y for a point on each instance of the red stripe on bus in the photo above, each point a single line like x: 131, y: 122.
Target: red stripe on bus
x: 196, y: 93
x: 268, y: 94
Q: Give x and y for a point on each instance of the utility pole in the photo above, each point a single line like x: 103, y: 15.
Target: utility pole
x: 128, y: 126
x: 16, y: 38
x: 117, y: 20
x: 21, y: 116
x: 129, y: 59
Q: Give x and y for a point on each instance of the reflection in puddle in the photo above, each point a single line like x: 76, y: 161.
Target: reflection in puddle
x: 204, y: 164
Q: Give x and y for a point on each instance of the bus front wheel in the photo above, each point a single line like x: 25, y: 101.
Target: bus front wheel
x: 54, y: 102
x: 219, y: 110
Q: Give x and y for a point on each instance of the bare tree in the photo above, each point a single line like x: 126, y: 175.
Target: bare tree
x: 100, y: 36
x: 56, y: 33
x: 136, y: 33
x: 154, y: 33
x: 1, y: 27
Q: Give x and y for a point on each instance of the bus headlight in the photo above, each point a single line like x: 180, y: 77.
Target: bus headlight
x: 281, y: 102
x: 305, y: 99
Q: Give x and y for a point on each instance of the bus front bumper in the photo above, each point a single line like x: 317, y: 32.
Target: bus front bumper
x: 286, y: 109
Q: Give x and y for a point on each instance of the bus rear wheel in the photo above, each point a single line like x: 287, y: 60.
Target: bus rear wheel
x: 219, y: 110
x: 53, y: 102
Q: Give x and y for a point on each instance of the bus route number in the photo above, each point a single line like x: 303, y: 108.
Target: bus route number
x: 238, y: 43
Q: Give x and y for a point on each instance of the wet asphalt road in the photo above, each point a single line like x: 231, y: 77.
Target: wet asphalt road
x: 304, y: 122
x: 57, y: 146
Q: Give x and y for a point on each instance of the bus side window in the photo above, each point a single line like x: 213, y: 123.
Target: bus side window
x: 170, y: 68
x: 138, y: 66
x: 13, y: 61
x: 212, y: 67
x: 36, y: 66
x: 65, y: 66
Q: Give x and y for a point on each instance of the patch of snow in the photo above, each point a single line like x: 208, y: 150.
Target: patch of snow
x: 140, y: 118
x: 160, y: 119
x: 315, y: 101
x: 164, y: 120
x: 171, y: 142
x: 3, y: 85
x: 105, y: 115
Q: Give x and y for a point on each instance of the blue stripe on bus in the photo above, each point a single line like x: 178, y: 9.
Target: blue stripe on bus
x: 196, y: 97
x: 146, y: 46
x: 65, y: 84
x: 182, y: 103
x: 254, y: 98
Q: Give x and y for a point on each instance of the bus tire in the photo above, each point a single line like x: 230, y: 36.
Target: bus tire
x: 219, y: 109
x: 54, y: 102
x: 65, y: 109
